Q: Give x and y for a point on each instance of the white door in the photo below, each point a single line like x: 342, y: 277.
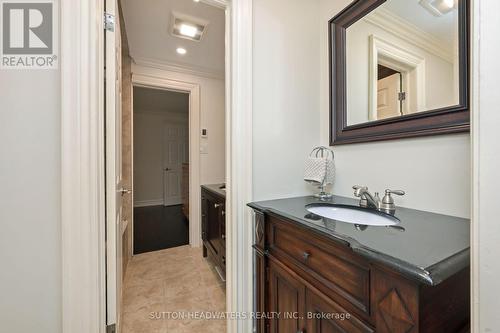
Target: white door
x: 388, y: 104
x: 175, y: 152
x: 114, y: 190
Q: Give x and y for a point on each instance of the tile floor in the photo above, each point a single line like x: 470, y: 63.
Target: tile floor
x: 171, y: 280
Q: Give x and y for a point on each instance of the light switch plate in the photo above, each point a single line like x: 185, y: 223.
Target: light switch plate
x: 204, y: 148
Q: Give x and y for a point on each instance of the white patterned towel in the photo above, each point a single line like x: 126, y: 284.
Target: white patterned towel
x: 319, y: 170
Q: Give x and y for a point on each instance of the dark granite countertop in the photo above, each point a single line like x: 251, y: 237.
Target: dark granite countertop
x: 218, y: 189
x: 424, y: 246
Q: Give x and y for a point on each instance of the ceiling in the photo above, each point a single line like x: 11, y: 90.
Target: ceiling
x: 443, y: 28
x: 147, y: 23
x: 156, y: 100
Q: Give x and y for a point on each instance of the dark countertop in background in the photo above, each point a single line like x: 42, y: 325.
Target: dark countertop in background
x: 431, y: 248
x: 215, y: 188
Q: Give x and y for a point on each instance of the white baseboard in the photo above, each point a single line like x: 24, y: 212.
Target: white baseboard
x: 146, y: 203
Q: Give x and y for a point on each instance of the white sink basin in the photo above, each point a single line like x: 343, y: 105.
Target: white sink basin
x: 353, y: 215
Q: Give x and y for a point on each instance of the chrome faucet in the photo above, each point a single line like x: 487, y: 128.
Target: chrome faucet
x: 368, y: 200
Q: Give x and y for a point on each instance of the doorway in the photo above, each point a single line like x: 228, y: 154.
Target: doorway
x: 83, y: 193
x: 161, y: 169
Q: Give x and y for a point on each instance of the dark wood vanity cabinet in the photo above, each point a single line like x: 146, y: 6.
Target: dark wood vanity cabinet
x: 213, y: 220
x: 320, y: 285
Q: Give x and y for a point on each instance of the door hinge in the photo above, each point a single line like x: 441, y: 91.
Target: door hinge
x: 109, y: 22
x: 401, y: 96
x: 111, y: 328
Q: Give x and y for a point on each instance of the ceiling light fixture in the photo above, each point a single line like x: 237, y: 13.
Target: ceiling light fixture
x: 449, y: 3
x: 187, y: 27
x: 196, y: 0
x: 181, y: 50
x: 188, y: 30
x: 438, y: 7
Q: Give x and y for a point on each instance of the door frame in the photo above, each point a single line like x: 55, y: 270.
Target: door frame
x: 193, y: 89
x: 83, y: 168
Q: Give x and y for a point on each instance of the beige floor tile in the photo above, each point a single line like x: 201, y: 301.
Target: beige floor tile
x: 172, y: 280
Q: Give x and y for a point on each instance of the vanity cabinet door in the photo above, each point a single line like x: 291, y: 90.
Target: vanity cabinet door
x: 204, y: 218
x: 213, y: 226
x: 325, y: 316
x: 222, y: 233
x: 287, y: 297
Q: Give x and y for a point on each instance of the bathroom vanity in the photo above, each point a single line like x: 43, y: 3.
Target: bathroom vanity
x: 332, y: 276
x: 213, y: 225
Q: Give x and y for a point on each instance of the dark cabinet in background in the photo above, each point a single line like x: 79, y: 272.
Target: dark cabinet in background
x: 213, y: 218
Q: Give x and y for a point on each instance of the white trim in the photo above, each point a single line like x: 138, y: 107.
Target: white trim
x: 82, y: 158
x: 411, y: 65
x: 168, y: 66
x: 149, y: 203
x: 143, y: 80
x: 408, y: 32
x: 475, y: 166
x: 239, y: 231
x: 485, y: 235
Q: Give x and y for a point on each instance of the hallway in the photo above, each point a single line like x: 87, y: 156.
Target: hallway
x: 172, y: 280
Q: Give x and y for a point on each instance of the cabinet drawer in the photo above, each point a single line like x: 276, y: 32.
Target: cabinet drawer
x: 334, y: 270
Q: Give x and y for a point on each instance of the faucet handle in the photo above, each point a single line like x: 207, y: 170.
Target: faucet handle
x: 388, y: 198
x: 357, y: 189
x: 397, y: 192
x: 388, y: 204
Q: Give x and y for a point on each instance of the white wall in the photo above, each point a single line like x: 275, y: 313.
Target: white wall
x: 212, y: 99
x: 435, y: 171
x: 149, y: 128
x: 285, y: 95
x: 30, y: 236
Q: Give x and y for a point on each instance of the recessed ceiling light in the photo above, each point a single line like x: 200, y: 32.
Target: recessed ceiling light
x: 196, y: 0
x: 187, y: 27
x: 188, y: 30
x: 181, y: 50
x: 438, y: 7
x: 449, y: 3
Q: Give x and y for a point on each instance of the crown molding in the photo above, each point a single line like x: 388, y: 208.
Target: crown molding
x: 172, y: 67
x: 409, y: 32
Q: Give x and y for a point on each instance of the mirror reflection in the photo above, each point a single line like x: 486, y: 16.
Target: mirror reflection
x: 402, y: 58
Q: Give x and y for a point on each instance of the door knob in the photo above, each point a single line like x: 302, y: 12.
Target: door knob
x: 217, y: 205
x: 125, y: 191
x: 306, y: 255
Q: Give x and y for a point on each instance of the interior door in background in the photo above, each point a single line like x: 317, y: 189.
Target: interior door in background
x: 175, y: 152
x: 388, y: 103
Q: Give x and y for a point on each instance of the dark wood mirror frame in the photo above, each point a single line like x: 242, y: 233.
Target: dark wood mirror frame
x: 446, y: 120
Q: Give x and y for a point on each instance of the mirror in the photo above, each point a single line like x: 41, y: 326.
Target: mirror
x: 399, y: 68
